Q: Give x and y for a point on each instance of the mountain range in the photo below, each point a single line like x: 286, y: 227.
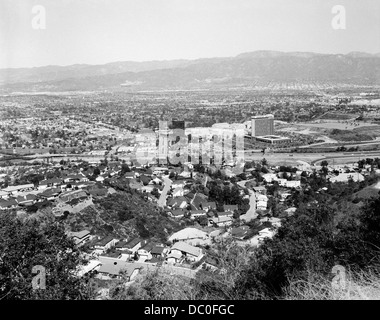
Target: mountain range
x: 252, y: 69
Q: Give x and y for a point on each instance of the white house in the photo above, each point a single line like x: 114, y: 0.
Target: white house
x: 265, y: 233
x: 178, y: 191
x: 221, y: 221
x: 188, y: 234
x: 293, y: 184
x: 185, y: 250
x: 144, y: 254
x: 80, y: 237
x: 113, y: 268
x: 270, y: 177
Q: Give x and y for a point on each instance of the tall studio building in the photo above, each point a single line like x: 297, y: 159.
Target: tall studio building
x: 262, y: 125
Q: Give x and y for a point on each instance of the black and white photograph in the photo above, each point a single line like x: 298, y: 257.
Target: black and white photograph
x: 205, y: 153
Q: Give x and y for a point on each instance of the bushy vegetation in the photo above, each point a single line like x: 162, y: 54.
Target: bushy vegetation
x: 126, y: 215
x: 348, y: 135
x: 26, y: 244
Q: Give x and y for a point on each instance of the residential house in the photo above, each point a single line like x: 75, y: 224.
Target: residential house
x: 221, y: 221
x: 178, y: 183
x: 158, y: 251
x: 80, y: 237
x: 178, y: 202
x: 135, y: 244
x: 112, y: 268
x: 106, y: 243
x: 145, y: 179
x: 73, y: 195
x: 260, y: 190
x: 261, y: 205
x: 174, y: 257
x: 44, y: 184
x: 265, y: 233
x: 177, y: 213
x: 75, y: 178
x: 209, y: 206
x: 269, y: 177
x: 230, y: 208
x: 130, y: 175
x: 126, y: 254
x: 190, y: 235
x: 186, y: 251
x: 293, y: 184
x: 239, y: 232
x: 26, y: 200
x: 50, y: 194
x: 197, y: 213
x: 144, y: 252
x: 8, y: 204
x: 13, y: 190
x: 177, y: 192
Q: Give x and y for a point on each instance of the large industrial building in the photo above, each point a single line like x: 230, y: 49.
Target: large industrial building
x: 262, y: 125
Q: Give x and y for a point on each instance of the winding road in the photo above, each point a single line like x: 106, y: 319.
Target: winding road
x: 251, y: 213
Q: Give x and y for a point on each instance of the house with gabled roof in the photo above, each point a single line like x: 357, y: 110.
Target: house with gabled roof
x: 221, y: 221
x: 239, y: 232
x: 186, y: 250
x: 209, y: 205
x: 49, y: 183
x: 158, y: 251
x: 230, y: 207
x: 71, y: 195
x: 113, y: 268
x: 8, y: 204
x: 26, y: 200
x: 178, y: 183
x: 135, y: 243
x: 177, y: 213
x: 197, y: 213
x: 50, y: 194
x: 80, y: 237
x: 106, y: 243
x: 13, y: 190
x: 178, y: 192
x: 177, y: 202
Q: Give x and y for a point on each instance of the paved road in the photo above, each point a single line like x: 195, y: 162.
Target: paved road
x: 251, y: 213
x: 351, y: 158
x: 162, y: 201
x: 273, y: 158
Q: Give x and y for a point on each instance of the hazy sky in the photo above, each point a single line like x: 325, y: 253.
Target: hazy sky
x: 99, y: 31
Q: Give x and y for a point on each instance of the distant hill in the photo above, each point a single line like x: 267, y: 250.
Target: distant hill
x: 258, y: 68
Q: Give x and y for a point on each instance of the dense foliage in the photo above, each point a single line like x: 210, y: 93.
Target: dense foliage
x: 25, y: 244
